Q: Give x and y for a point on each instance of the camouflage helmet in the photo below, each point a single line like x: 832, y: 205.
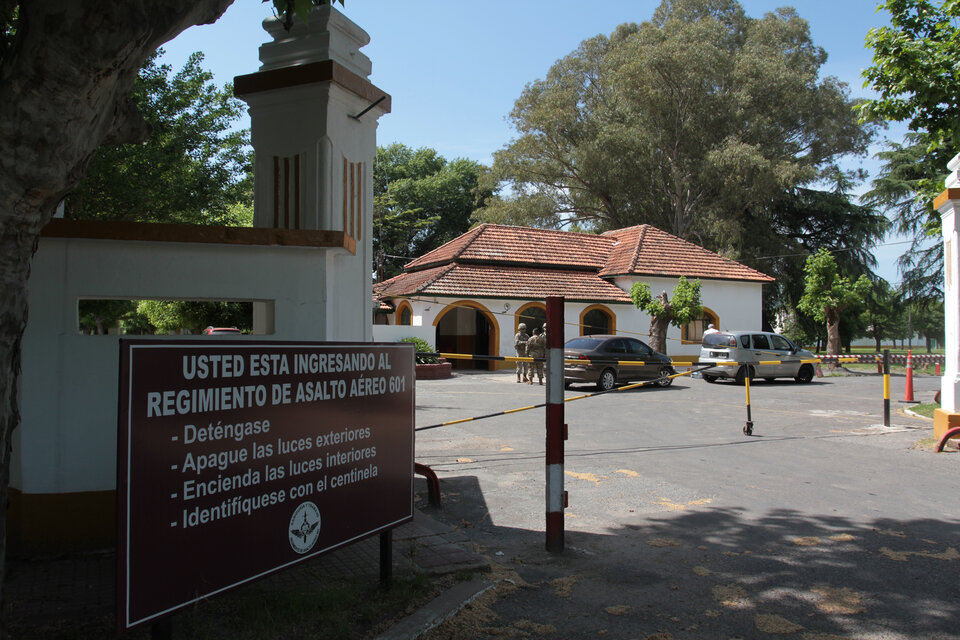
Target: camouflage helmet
x: 522, y: 326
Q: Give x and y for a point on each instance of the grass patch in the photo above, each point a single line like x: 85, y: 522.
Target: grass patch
x: 341, y: 609
x: 925, y: 410
x: 338, y: 608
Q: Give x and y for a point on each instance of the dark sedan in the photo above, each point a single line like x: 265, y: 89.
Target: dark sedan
x: 602, y: 356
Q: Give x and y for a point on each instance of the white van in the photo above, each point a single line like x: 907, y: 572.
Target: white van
x: 743, y: 350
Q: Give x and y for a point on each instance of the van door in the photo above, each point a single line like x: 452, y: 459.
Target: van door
x: 762, y: 351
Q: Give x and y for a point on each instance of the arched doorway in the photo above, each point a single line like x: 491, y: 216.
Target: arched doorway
x: 597, y: 319
x: 533, y: 314
x: 467, y: 328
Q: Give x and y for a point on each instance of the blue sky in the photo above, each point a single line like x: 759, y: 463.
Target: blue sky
x: 454, y: 68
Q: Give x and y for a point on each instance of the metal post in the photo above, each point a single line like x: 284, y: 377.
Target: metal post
x: 386, y: 558
x: 748, y: 428
x: 556, y: 496
x: 886, y: 387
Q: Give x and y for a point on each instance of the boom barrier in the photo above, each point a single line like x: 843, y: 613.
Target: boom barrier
x: 627, y: 387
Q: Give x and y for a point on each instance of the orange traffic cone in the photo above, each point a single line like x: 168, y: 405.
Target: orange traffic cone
x: 908, y: 388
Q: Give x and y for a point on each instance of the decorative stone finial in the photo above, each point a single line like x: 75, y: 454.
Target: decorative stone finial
x: 327, y: 35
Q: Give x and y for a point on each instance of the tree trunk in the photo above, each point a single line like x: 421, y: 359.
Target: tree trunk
x: 658, y: 334
x: 63, y: 92
x: 833, y: 332
x: 876, y: 338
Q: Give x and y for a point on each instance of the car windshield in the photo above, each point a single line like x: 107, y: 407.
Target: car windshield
x: 587, y: 344
x: 719, y: 340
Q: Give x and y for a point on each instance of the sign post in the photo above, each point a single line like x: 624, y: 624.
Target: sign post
x: 239, y: 459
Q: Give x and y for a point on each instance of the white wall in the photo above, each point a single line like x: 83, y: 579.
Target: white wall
x: 394, y: 333
x: 738, y: 305
x: 67, y: 439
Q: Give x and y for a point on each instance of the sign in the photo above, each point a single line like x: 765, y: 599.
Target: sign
x: 238, y: 459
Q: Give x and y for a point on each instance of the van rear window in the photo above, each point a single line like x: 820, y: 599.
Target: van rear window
x: 719, y: 340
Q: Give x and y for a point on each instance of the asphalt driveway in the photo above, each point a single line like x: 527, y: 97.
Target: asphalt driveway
x: 823, y: 524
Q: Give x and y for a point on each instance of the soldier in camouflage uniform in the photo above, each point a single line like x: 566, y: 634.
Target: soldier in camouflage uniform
x: 520, y: 344
x: 537, y: 348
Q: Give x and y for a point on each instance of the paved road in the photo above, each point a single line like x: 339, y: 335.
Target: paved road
x: 824, y: 524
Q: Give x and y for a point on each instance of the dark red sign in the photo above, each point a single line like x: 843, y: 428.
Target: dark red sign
x: 238, y: 459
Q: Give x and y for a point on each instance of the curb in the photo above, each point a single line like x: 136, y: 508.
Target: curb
x: 441, y: 608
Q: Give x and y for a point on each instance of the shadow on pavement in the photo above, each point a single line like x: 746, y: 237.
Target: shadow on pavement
x: 714, y: 573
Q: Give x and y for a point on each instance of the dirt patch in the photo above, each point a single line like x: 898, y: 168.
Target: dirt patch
x: 842, y: 537
x: 809, y: 541
x: 903, y: 556
x: 589, y: 477
x: 772, y: 623
x: 478, y: 618
x: 563, y: 587
x: 841, y: 600
x: 701, y: 571
x: 731, y: 595
x: 617, y: 610
x: 664, y: 542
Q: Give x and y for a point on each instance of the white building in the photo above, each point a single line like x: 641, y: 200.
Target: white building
x: 469, y: 295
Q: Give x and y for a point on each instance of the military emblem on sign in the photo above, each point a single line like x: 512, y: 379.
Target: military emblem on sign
x: 304, y: 527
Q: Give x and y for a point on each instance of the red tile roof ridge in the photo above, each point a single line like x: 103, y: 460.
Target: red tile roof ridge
x: 649, y: 232
x: 442, y: 253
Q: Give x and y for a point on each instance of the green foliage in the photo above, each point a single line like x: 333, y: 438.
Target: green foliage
x: 637, y: 127
x: 680, y: 310
x: 909, y: 179
x: 806, y: 220
x: 287, y: 9
x: 914, y: 73
x: 882, y: 312
x: 168, y: 316
x: 826, y: 291
x: 193, y: 168
x: 8, y: 27
x: 99, y: 316
x: 422, y: 346
x: 420, y: 202
x: 914, y: 68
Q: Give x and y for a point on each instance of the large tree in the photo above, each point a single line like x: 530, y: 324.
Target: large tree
x: 682, y: 308
x: 686, y: 122
x: 828, y: 293
x: 914, y: 74
x: 421, y: 201
x: 194, y: 168
x: 66, y: 72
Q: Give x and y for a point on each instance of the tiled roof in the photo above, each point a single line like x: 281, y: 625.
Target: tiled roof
x: 646, y: 250
x: 406, y: 284
x: 475, y: 281
x: 520, y: 262
x: 521, y: 245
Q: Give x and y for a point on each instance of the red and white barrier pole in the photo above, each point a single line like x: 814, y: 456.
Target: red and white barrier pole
x: 556, y: 496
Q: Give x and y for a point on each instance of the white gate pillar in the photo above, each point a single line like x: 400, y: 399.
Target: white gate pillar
x: 313, y: 119
x: 947, y: 203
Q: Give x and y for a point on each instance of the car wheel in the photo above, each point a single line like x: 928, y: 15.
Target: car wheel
x: 709, y: 378
x: 607, y: 380
x: 742, y: 374
x: 663, y: 377
x: 805, y: 374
